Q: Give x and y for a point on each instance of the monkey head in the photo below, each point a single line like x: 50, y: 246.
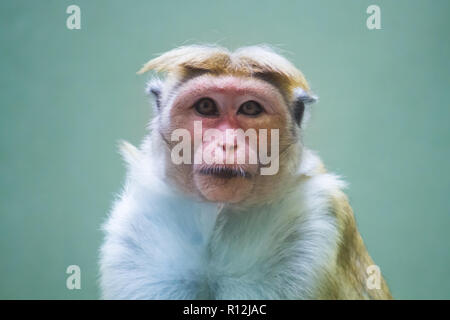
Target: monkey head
x: 229, y: 122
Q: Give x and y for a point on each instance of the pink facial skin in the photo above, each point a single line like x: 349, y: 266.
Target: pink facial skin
x: 216, y: 181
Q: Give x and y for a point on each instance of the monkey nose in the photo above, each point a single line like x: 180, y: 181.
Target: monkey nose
x: 227, y: 143
x: 229, y: 146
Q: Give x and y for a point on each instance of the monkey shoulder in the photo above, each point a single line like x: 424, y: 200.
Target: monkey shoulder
x: 345, y: 276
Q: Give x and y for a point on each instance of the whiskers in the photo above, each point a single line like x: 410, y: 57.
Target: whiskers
x: 225, y: 172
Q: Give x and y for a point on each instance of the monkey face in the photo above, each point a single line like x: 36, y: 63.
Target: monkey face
x: 232, y: 130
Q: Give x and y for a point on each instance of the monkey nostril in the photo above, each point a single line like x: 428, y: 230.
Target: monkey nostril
x: 227, y: 146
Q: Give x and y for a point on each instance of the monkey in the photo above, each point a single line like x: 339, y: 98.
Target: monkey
x: 213, y: 227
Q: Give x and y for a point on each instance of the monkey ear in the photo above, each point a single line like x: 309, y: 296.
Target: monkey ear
x: 154, y: 87
x: 302, y: 100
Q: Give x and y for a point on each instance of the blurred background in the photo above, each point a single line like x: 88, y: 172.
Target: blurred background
x: 68, y: 96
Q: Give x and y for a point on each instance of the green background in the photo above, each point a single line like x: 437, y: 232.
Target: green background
x: 68, y: 96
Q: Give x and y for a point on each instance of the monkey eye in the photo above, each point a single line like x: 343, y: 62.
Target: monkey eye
x: 250, y: 108
x: 206, y: 107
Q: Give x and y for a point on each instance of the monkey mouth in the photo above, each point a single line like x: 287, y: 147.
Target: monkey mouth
x: 225, y: 172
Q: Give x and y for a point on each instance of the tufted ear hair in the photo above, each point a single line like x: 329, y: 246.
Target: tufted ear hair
x: 154, y: 87
x: 302, y: 100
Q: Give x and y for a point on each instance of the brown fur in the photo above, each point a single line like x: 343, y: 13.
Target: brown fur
x: 248, y: 62
x: 346, y: 277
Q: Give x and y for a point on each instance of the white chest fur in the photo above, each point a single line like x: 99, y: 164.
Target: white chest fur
x: 160, y: 245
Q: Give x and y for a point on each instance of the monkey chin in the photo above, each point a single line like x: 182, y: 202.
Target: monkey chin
x: 224, y: 185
